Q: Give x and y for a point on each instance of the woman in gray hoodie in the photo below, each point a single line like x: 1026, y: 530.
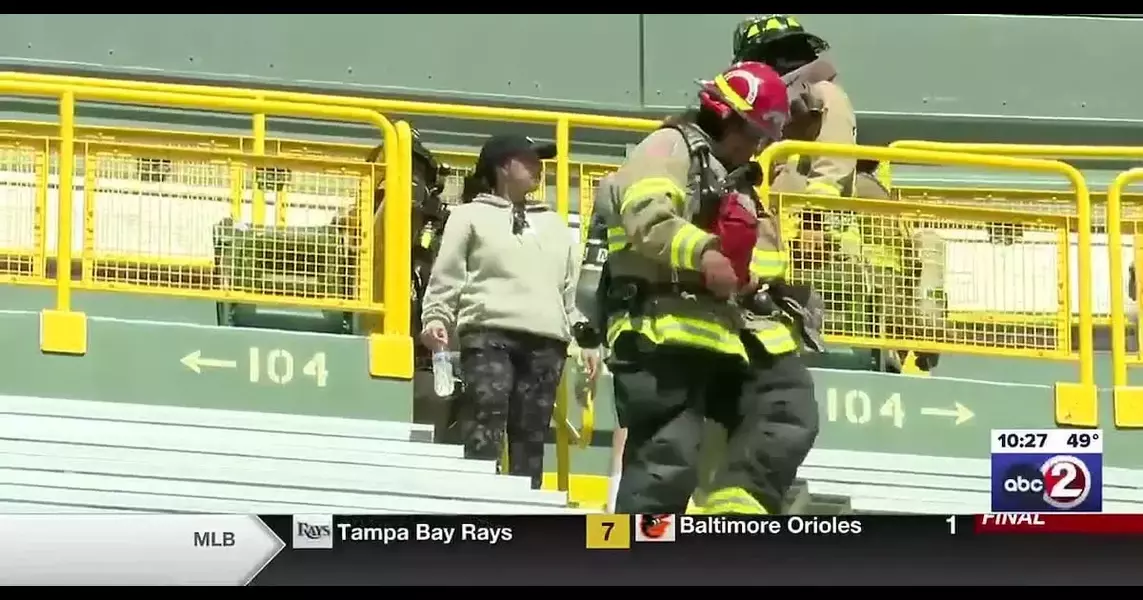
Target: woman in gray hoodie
x: 504, y: 281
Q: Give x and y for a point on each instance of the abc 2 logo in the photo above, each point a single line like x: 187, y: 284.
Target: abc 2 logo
x: 1060, y: 482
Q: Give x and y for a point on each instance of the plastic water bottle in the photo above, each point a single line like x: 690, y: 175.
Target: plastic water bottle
x: 443, y: 380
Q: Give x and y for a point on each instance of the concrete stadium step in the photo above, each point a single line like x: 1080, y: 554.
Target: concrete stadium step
x: 536, y: 502
x: 214, y: 418
x: 115, y: 430
x: 30, y: 508
x: 213, y: 441
x: 106, y: 457
x: 905, y: 483
x: 309, y: 472
x: 98, y: 500
x: 492, y: 488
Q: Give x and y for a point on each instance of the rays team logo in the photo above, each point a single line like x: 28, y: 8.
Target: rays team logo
x: 1061, y: 482
x: 313, y: 531
x: 654, y: 528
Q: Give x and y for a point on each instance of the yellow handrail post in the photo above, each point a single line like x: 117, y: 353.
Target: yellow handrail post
x: 66, y: 197
x: 563, y: 167
x: 1076, y: 403
x: 1126, y: 399
x: 563, y: 434
x: 258, y: 208
x: 563, y: 204
x: 391, y: 351
x: 61, y: 330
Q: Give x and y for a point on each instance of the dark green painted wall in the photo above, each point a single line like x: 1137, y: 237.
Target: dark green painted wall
x: 1006, y: 65
x: 979, y: 77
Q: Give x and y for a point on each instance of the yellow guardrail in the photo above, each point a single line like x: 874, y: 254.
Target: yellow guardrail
x: 1041, y: 201
x: 1076, y: 403
x: 460, y: 162
x: 562, y: 121
x: 64, y: 331
x: 1130, y: 206
x: 1127, y: 399
x: 1053, y: 151
x: 178, y: 198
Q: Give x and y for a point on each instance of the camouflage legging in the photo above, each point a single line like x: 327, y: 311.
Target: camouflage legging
x: 510, y: 384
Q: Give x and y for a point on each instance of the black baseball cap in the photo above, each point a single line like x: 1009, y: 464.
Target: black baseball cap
x: 500, y: 148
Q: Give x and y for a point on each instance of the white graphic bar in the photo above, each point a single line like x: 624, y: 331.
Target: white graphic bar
x: 134, y: 549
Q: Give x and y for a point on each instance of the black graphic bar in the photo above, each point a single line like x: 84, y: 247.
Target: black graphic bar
x: 810, y: 550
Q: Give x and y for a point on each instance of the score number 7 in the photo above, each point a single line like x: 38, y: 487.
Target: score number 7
x: 607, y: 528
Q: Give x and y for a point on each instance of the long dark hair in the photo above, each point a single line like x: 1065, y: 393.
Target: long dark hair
x: 474, y: 185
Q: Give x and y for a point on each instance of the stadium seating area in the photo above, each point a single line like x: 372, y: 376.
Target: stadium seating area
x: 195, y: 228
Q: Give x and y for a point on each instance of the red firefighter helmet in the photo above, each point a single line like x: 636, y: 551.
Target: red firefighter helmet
x: 753, y: 90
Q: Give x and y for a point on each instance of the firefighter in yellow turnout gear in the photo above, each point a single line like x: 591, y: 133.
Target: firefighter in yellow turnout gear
x: 866, y: 267
x: 682, y: 349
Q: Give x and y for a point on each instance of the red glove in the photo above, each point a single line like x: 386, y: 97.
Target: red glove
x: 737, y: 231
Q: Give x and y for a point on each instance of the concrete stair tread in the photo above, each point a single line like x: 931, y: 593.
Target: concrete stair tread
x: 122, y: 457
x: 214, y: 418
x: 352, y: 501
x: 907, y: 465
x: 144, y: 502
x: 306, y: 471
x: 428, y: 463
x: 491, y: 488
x: 74, y: 431
x: 122, y: 433
x: 33, y: 508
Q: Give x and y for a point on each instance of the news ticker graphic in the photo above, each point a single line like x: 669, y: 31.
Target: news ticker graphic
x: 133, y: 549
x: 1047, y: 470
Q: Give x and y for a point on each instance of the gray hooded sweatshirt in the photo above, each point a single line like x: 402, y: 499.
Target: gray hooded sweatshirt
x: 486, y: 276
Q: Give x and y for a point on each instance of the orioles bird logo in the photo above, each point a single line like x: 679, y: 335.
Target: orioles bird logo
x: 655, y: 526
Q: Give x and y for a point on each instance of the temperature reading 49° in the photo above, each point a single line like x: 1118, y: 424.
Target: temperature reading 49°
x: 1082, y: 440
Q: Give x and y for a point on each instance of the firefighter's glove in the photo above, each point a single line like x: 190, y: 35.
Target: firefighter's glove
x: 762, y: 303
x: 718, y: 274
x: 586, y: 336
x: 809, y: 317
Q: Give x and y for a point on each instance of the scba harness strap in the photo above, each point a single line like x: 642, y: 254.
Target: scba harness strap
x: 698, y: 147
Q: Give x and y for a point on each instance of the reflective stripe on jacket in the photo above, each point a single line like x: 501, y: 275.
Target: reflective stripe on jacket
x: 650, y: 237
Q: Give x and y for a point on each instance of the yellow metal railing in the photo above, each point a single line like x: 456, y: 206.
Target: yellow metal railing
x: 1127, y: 399
x: 64, y: 331
x: 26, y: 163
x: 562, y: 121
x: 1076, y: 403
x: 151, y: 225
x: 1052, y: 201
x: 1128, y: 209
